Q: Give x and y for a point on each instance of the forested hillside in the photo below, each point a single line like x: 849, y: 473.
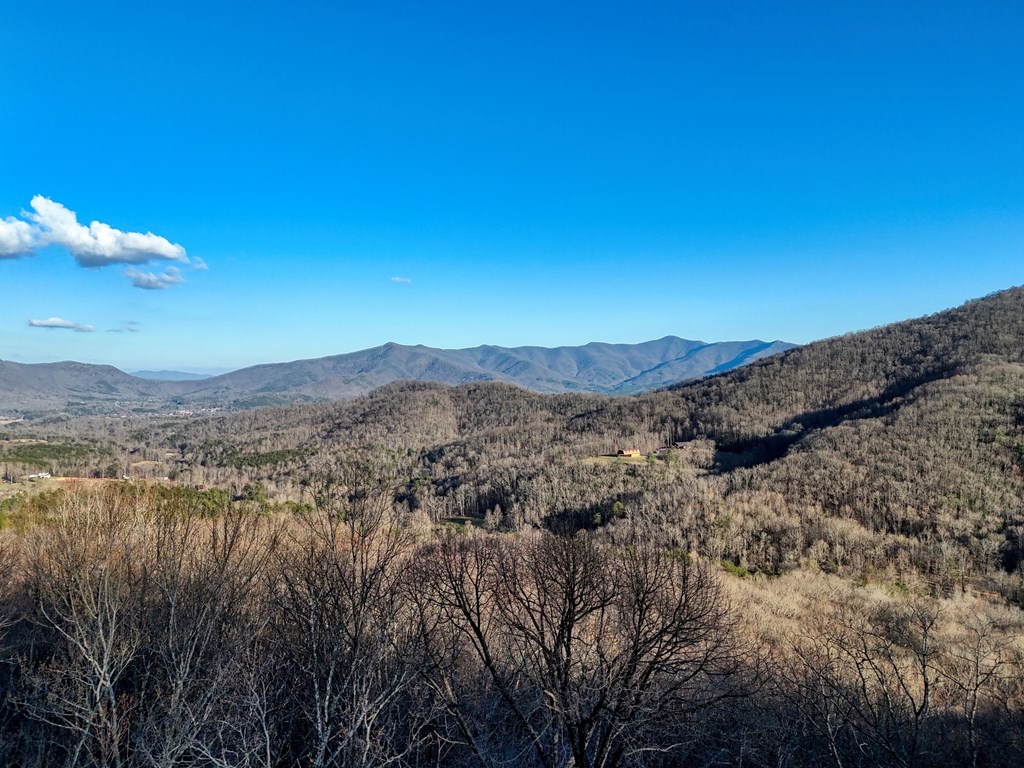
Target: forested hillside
x: 899, y: 444
x: 817, y: 559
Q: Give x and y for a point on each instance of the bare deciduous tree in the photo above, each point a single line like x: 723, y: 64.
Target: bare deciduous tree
x: 87, y: 586
x: 595, y: 655
x: 344, y: 630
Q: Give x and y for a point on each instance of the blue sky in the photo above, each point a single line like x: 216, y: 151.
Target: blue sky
x: 535, y: 173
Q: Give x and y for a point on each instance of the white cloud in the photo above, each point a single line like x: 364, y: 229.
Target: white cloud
x: 405, y: 280
x: 17, y: 238
x: 152, y: 281
x: 93, y: 246
x: 56, y: 322
x: 99, y: 244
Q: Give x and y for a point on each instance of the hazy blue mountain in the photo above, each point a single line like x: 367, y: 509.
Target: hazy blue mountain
x: 76, y: 387
x: 595, y: 367
x: 171, y: 375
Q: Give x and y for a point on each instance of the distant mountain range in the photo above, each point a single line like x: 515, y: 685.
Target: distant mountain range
x: 171, y: 375
x: 615, y: 369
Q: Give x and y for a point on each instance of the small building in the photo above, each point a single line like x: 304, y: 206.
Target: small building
x: 628, y: 452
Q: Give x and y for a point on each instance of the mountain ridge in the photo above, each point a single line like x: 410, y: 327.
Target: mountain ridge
x: 595, y: 367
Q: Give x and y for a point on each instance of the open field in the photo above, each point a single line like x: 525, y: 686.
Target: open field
x: 43, y: 484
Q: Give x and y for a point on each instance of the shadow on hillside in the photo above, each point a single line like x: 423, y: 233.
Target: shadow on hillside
x: 763, y: 450
x: 569, y: 520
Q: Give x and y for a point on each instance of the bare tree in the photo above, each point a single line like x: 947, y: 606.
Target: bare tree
x: 343, y: 628
x: 85, y: 577
x: 596, y: 655
x: 978, y: 666
x: 205, y: 580
x: 867, y: 681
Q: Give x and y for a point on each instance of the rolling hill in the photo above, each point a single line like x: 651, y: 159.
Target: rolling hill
x: 899, y: 449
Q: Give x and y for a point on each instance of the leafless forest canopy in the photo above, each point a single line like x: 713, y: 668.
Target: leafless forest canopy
x: 817, y: 560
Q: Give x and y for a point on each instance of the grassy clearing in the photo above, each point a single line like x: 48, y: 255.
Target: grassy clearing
x: 608, y: 460
x: 29, y: 487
